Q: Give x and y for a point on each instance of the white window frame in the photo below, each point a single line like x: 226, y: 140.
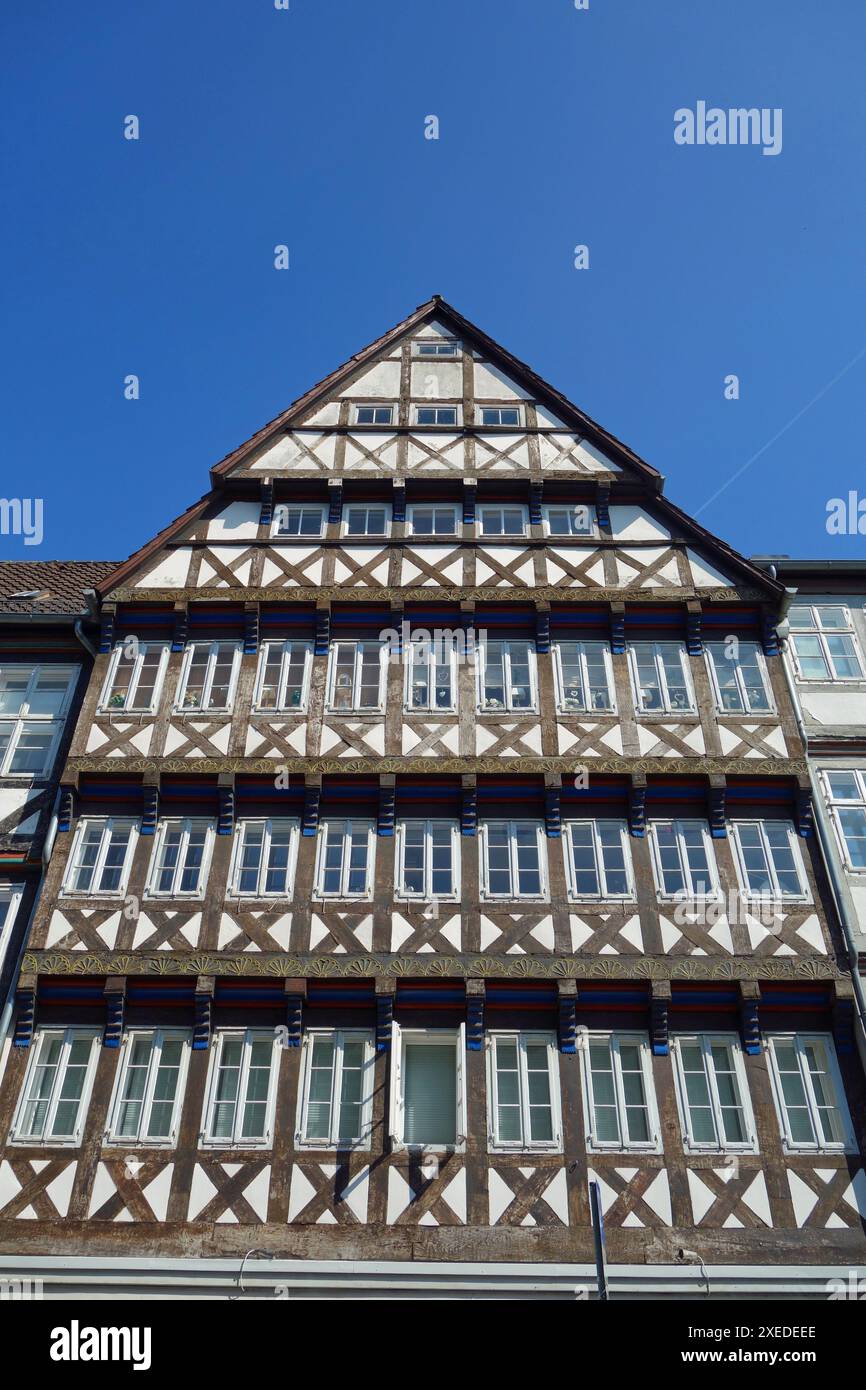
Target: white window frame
x: 282, y: 508
x: 603, y: 895
x: 433, y: 1037
x: 358, y: 643
x: 401, y: 892
x: 108, y: 823
x: 11, y: 893
x: 280, y: 707
x: 435, y: 424
x: 821, y: 633
x: 22, y: 718
x: 343, y: 895
x: 366, y: 534
x: 185, y: 822
x: 667, y: 709
x: 523, y: 1039
x: 848, y: 1144
x: 613, y: 1038
x: 710, y: 659
x: 484, y: 536
x: 590, y: 530
x: 836, y: 804
x: 433, y: 648
x: 687, y: 894
x: 196, y: 711
x: 706, y: 1040
x: 489, y: 425
x: 373, y: 405
x: 207, y: 1140
x: 541, y: 840
x: 454, y: 348
x: 453, y: 507
x: 69, y: 1035
x: 158, y: 1036
x: 333, y: 1142
x: 106, y: 707
x: 804, y: 896
x: 559, y: 678
x: 481, y: 667
x: 268, y: 822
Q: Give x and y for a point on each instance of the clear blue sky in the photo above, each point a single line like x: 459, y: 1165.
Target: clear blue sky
x: 305, y: 127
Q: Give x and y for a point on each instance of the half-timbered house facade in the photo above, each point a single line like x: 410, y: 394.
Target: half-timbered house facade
x: 436, y: 839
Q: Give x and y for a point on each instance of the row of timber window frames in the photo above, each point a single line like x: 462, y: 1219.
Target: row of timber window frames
x: 845, y: 792
x: 427, y: 1104
x: 486, y: 415
x: 309, y: 519
x: 34, y: 701
x: 823, y: 643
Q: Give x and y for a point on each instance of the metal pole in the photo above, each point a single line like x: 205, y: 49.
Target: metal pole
x: 598, y: 1234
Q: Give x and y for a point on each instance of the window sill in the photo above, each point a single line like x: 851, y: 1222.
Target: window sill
x: 685, y: 716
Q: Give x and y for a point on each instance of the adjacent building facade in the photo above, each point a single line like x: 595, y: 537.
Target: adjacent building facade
x: 436, y: 839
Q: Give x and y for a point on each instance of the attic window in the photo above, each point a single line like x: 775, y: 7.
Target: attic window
x: 500, y: 415
x: 374, y: 414
x: 32, y: 595
x: 437, y: 347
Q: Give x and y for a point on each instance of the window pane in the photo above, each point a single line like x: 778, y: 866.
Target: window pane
x: 32, y: 753
x: 494, y: 675
x: 528, y: 863
x: 318, y: 1117
x: 572, y: 676
x: 583, y: 859
x: 71, y: 1088
x: 165, y: 1089
x: 810, y: 657
x: 430, y: 1094
x: 498, y: 858
x: 846, y: 663
x: 112, y: 870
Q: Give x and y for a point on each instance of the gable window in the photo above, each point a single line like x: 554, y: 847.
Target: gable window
x: 712, y: 1093
x: 523, y: 1087
x: 846, y: 797
x: 374, y: 414
x: 357, y: 676
x: 437, y: 347
x: 428, y: 1100
x: 345, y: 859
x: 57, y: 1086
x: 180, y: 858
x: 769, y: 859
x: 135, y: 675
x: 336, y: 1094
x: 810, y: 1098
x: 428, y: 859
x: 431, y: 674
x: 240, y: 1102
x: 366, y: 519
x: 660, y: 677
x: 568, y: 521
x: 506, y: 674
x: 512, y: 859
x: 283, y: 681
x: 620, y: 1099
x: 503, y: 521
x: 597, y: 859
x: 584, y: 679
x: 739, y: 682
x: 264, y: 858
x: 101, y: 856
x: 34, y: 701
x: 500, y: 415
x: 823, y: 643
x: 428, y: 520
x: 209, y: 676
x: 146, y: 1106
x: 435, y: 415
x: 683, y: 859
x: 299, y: 519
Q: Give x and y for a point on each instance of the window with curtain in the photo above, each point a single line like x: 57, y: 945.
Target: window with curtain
x: 810, y: 1097
x: 57, y: 1086
x: 712, y: 1092
x: 146, y: 1105
x: 240, y: 1096
x: 336, y: 1088
x: 620, y: 1098
x: 428, y: 1105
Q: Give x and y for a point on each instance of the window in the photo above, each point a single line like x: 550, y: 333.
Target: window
x: 568, y: 521
x: 367, y: 519
x: 739, y: 682
x: 823, y: 643
x: 180, y: 859
x: 33, y: 704
x: 428, y: 859
x: 435, y: 415
x: 240, y: 1100
x: 584, y: 680
x: 57, y: 1086
x: 428, y: 1102
x: 437, y: 347
x: 523, y: 1089
x: 209, y: 675
x: 512, y: 859
x: 712, y: 1093
x: 264, y: 858
x: 660, y: 677
x: 10, y: 897
x: 810, y: 1098
x: 506, y: 673
x: 101, y: 855
x: 683, y: 859
x: 303, y: 519
x: 500, y: 415
x: 284, y: 676
x: 431, y: 673
x: 373, y: 414
x: 846, y: 797
x: 769, y: 859
x: 503, y: 521
x: 620, y: 1101
x: 356, y: 676
x: 135, y: 674
x: 597, y: 860
x: 346, y: 854
x: 427, y: 520
x: 147, y: 1098
x: 336, y: 1095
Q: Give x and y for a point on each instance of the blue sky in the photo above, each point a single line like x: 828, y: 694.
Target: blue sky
x: 306, y: 127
